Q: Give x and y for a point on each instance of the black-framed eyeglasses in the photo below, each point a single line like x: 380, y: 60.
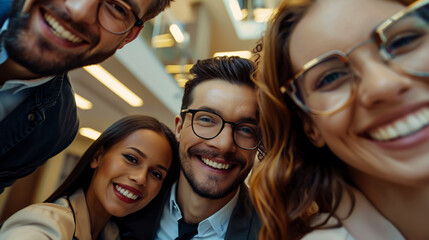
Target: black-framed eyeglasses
x: 327, y: 83
x: 117, y: 16
x: 208, y: 125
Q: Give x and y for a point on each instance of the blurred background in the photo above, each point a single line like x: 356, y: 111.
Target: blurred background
x: 146, y: 77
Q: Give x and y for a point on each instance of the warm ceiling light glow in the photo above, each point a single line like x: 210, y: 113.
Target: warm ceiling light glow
x: 236, y: 10
x: 262, y: 14
x: 242, y: 54
x: 89, y: 133
x: 182, y: 82
x: 181, y: 79
x: 114, y: 85
x: 177, y: 33
x: 82, y: 103
x: 163, y: 41
x: 245, y: 13
x: 173, y: 69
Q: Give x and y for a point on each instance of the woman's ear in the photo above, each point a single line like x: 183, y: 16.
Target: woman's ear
x: 95, y: 161
x: 312, y: 131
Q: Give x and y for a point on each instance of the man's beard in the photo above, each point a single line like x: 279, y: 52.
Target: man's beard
x: 34, y: 57
x: 206, y: 190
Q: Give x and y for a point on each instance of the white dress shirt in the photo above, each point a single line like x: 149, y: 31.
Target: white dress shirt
x: 211, y: 228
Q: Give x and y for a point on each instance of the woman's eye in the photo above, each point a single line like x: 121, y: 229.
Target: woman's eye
x: 402, y: 43
x: 157, y: 175
x: 130, y: 158
x: 330, y: 80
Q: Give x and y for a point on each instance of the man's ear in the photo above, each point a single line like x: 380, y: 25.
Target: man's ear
x: 132, y: 34
x: 312, y: 131
x: 96, y: 160
x: 178, y: 121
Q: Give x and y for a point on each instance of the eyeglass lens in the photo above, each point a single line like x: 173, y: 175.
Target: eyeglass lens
x: 407, y: 41
x: 208, y: 125
x: 328, y: 85
x: 115, y: 16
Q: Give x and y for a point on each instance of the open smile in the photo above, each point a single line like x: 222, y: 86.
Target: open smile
x: 216, y: 165
x: 402, y: 127
x: 61, y: 31
x: 126, y: 194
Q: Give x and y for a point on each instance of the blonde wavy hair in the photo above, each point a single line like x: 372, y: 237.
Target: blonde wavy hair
x: 295, y: 181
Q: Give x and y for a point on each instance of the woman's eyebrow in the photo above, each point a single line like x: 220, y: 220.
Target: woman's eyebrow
x: 162, y: 167
x: 139, y: 152
x: 145, y: 156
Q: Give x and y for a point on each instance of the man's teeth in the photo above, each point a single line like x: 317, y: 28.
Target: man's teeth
x: 402, y: 127
x: 125, y: 193
x: 215, y: 164
x: 59, y: 31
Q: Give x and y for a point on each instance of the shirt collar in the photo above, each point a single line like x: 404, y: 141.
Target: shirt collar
x: 173, y: 206
x: 218, y: 221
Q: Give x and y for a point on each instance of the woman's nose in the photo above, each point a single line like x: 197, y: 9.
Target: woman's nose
x: 139, y: 176
x: 380, y: 83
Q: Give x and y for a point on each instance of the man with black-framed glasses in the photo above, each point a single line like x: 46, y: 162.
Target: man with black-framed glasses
x: 40, y: 40
x: 219, y: 138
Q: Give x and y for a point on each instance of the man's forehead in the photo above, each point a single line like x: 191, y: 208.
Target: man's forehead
x: 232, y: 102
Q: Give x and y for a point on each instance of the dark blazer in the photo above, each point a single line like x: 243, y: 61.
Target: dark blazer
x: 244, y: 222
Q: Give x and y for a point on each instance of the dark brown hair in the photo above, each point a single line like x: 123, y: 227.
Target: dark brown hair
x: 81, y: 175
x: 234, y: 70
x: 155, y: 8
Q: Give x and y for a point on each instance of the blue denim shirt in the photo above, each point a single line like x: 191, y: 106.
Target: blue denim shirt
x: 38, y: 129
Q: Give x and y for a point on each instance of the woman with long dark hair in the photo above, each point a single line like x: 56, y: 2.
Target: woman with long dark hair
x: 344, y: 106
x: 119, y: 174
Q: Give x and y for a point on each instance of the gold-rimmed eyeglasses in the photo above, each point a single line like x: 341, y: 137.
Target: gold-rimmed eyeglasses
x: 327, y: 83
x: 117, y: 16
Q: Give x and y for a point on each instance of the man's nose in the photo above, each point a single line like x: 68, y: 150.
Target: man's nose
x: 83, y: 10
x: 224, y: 142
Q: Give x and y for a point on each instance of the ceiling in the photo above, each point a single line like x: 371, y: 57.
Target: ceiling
x: 138, y: 65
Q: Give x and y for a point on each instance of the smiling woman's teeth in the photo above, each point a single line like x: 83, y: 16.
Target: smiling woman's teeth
x: 402, y: 127
x: 215, y: 164
x: 125, y: 193
x: 59, y: 31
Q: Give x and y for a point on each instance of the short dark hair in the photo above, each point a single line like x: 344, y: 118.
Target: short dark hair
x: 81, y: 175
x: 234, y: 70
x: 155, y: 8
